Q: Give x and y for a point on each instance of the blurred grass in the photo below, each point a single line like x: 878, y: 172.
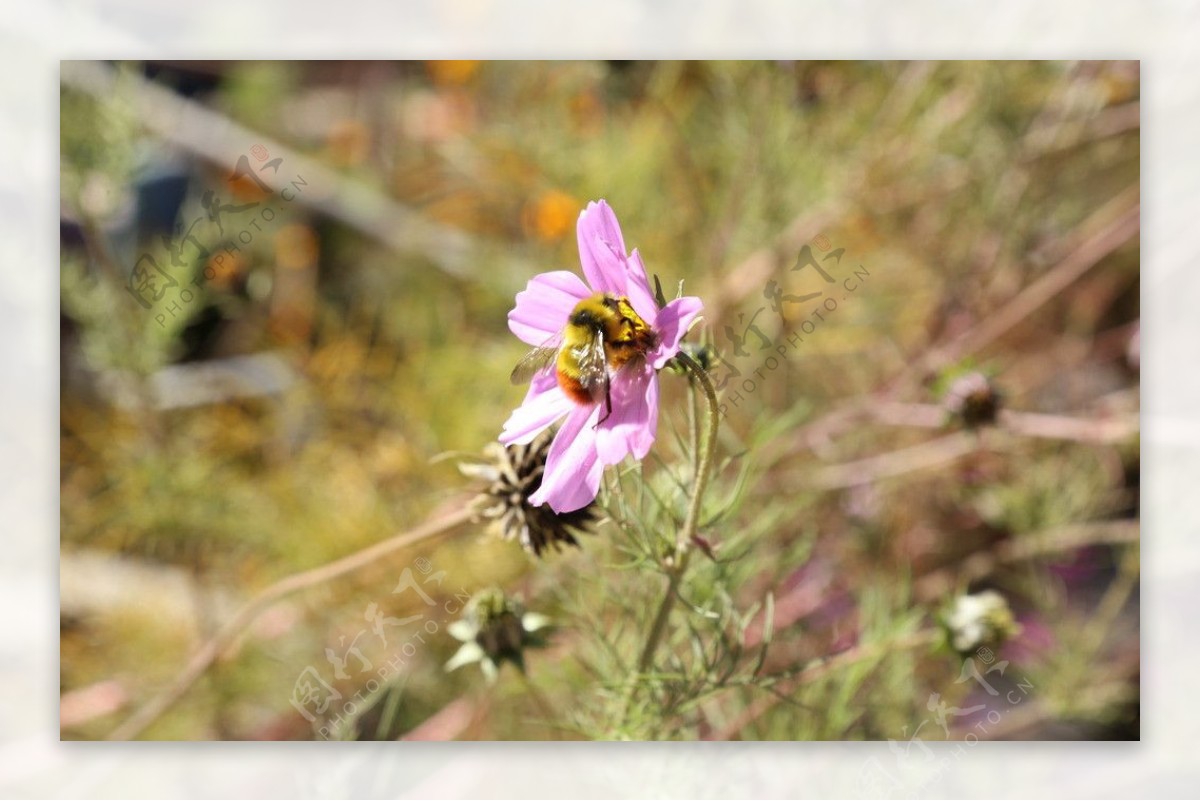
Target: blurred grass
x: 955, y: 184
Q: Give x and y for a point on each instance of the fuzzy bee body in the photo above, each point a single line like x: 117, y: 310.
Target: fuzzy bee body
x: 603, y: 333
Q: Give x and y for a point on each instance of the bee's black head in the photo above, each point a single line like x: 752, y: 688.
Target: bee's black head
x: 585, y: 317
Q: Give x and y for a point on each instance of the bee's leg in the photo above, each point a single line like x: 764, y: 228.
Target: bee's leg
x: 607, y: 407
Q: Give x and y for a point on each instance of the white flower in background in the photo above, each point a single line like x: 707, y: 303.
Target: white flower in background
x: 494, y: 629
x: 980, y: 619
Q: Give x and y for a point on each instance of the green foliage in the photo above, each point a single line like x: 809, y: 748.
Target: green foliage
x: 834, y: 528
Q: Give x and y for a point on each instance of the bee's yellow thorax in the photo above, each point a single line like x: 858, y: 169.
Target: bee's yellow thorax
x: 624, y: 332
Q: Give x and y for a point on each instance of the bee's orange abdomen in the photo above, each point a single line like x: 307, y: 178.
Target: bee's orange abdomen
x: 574, y: 390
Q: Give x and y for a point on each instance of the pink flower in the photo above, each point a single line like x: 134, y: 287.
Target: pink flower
x: 588, y: 440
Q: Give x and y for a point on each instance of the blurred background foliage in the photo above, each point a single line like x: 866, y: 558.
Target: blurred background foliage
x: 283, y: 403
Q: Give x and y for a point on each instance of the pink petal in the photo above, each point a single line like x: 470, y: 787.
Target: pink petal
x: 650, y: 427
x: 637, y: 288
x: 544, y: 403
x: 545, y: 304
x: 631, y: 427
x: 673, y: 322
x: 601, y: 248
x: 572, y: 476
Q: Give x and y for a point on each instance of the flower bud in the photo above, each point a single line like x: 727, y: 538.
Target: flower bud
x: 973, y: 400
x: 493, y: 629
x: 979, y: 620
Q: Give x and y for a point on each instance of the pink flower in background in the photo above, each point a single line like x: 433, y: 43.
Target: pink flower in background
x: 1033, y: 644
x: 590, y: 439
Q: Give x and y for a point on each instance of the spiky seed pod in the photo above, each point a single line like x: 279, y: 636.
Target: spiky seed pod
x: 494, y: 629
x: 973, y: 399
x: 511, y: 475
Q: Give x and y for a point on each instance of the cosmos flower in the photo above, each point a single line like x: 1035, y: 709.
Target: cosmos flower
x: 589, y: 439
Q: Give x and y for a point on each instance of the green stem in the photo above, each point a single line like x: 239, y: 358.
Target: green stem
x: 678, y: 564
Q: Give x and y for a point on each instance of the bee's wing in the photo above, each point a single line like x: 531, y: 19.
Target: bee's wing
x: 593, y: 367
x: 535, y: 361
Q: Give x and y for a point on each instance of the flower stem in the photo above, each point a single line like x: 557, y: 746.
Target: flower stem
x: 678, y: 564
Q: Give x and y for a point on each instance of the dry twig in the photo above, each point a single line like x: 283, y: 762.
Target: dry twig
x: 211, y: 650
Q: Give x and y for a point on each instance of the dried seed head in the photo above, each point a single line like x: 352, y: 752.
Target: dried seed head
x: 512, y: 474
x: 973, y: 399
x: 494, y: 629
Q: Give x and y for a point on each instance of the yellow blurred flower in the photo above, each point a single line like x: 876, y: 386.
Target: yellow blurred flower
x: 451, y: 73
x: 224, y: 267
x: 551, y: 216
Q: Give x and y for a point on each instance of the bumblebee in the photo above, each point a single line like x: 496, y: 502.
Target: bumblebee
x: 603, y: 333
